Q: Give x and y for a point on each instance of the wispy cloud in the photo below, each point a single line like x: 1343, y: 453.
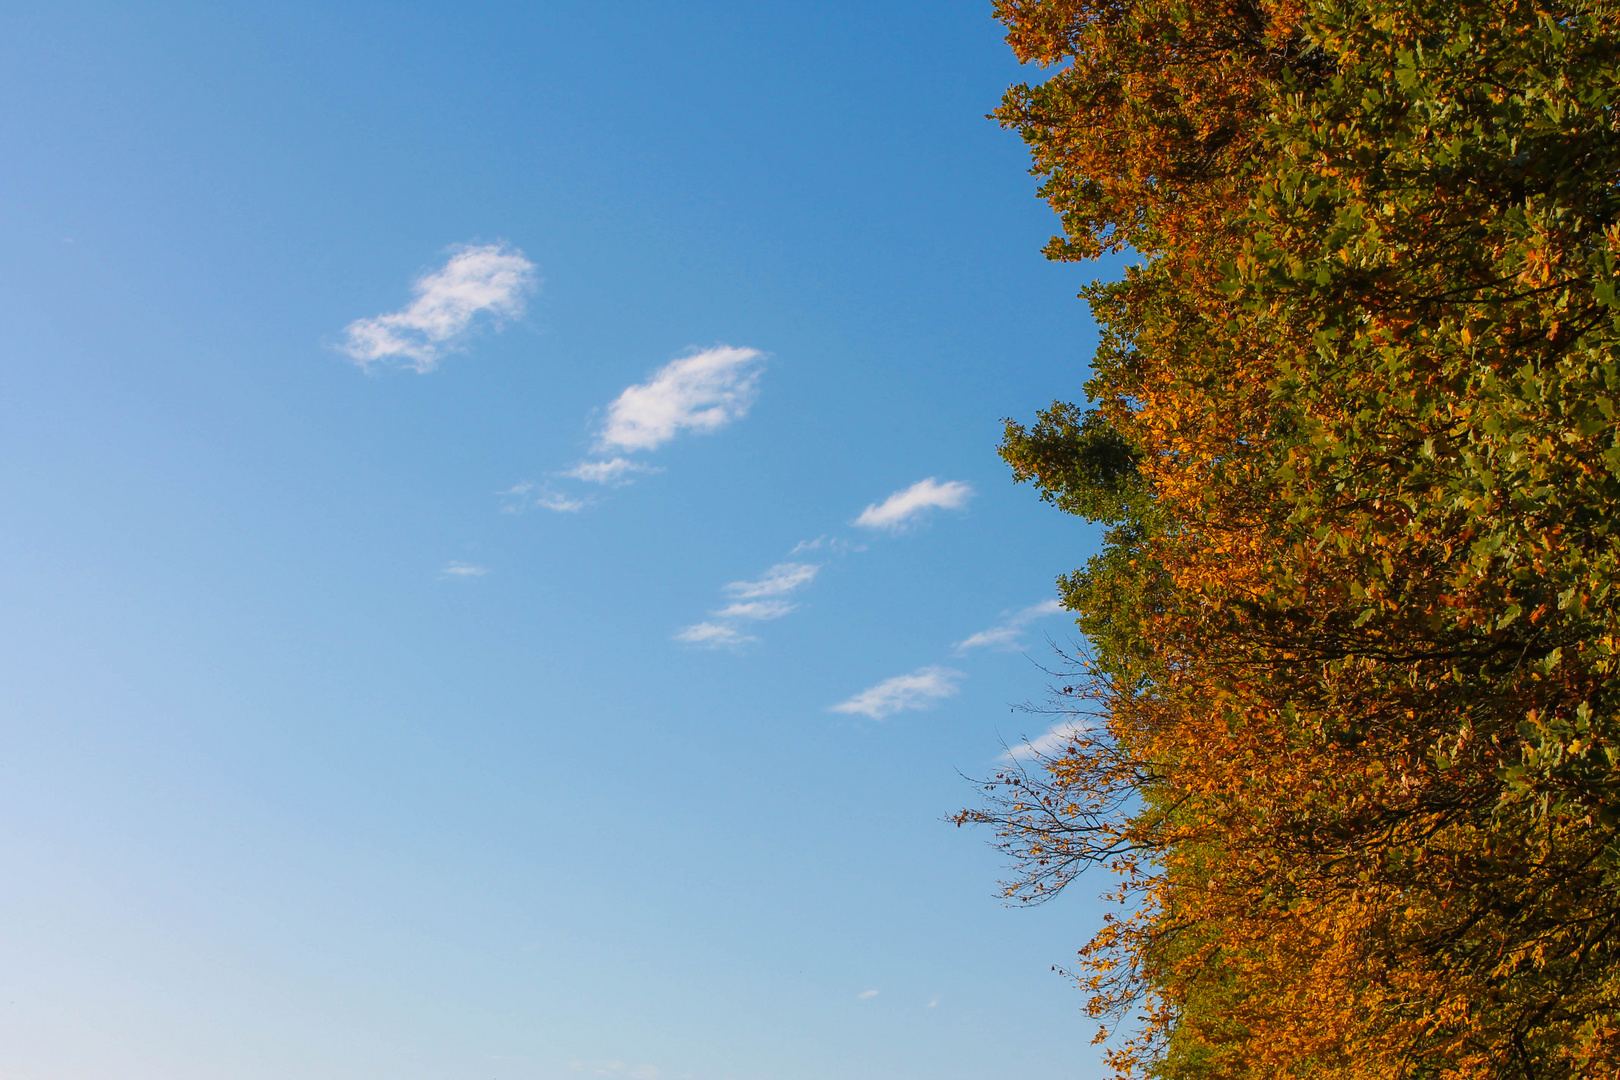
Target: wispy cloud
x: 701, y: 392
x: 756, y: 610
x: 835, y: 545
x: 1062, y: 733
x: 529, y: 495
x: 462, y: 570
x: 865, y: 994
x: 1005, y: 635
x: 713, y: 636
x: 614, y: 471
x: 751, y: 601
x: 903, y: 508
x: 778, y: 580
x: 481, y: 279
x: 919, y: 690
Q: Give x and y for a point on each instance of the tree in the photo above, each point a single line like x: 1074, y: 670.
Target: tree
x: 1352, y: 691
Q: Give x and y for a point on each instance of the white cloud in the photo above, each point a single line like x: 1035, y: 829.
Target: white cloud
x: 1061, y: 735
x: 490, y: 278
x: 836, y: 545
x: 932, y: 1004
x: 904, y: 507
x: 613, y: 471
x: 712, y: 636
x: 779, y: 579
x: 700, y: 392
x: 1005, y: 634
x: 864, y: 994
x: 756, y: 610
x: 528, y: 495
x: 919, y: 690
x: 455, y: 569
x: 752, y: 601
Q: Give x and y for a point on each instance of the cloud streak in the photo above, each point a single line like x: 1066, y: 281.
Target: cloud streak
x: 904, y: 508
x: 529, y: 495
x: 835, y: 545
x: 1046, y: 745
x: 1005, y: 635
x: 779, y: 579
x: 614, y: 472
x: 701, y: 392
x: 759, y: 600
x: 922, y: 689
x: 461, y: 570
x: 710, y: 635
x: 486, y: 279
x: 756, y: 610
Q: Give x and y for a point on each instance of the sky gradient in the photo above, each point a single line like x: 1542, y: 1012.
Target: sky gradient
x: 505, y: 565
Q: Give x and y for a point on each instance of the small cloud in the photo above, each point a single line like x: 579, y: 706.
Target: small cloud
x: 932, y: 1004
x: 903, y: 508
x: 1006, y: 635
x: 462, y: 570
x: 1003, y: 635
x: 712, y: 636
x: 833, y: 544
x: 779, y: 579
x: 756, y: 610
x: 529, y: 495
x: 919, y: 690
x: 864, y: 994
x: 701, y: 392
x: 752, y: 601
x: 614, y: 471
x: 487, y: 278
x: 1046, y: 745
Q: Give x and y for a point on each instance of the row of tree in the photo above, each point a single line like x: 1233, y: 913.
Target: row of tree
x: 1348, y: 724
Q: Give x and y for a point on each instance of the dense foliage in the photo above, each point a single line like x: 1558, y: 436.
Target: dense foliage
x: 1351, y: 712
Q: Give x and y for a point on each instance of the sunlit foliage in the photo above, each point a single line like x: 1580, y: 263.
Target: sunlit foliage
x: 1351, y: 709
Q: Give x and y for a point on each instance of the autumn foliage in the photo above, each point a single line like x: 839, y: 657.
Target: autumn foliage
x: 1349, y: 724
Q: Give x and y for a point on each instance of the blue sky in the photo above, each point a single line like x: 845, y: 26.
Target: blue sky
x: 505, y: 564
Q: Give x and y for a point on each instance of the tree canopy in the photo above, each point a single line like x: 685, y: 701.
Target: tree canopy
x: 1351, y: 707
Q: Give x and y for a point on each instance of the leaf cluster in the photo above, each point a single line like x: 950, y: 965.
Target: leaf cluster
x: 1351, y: 718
